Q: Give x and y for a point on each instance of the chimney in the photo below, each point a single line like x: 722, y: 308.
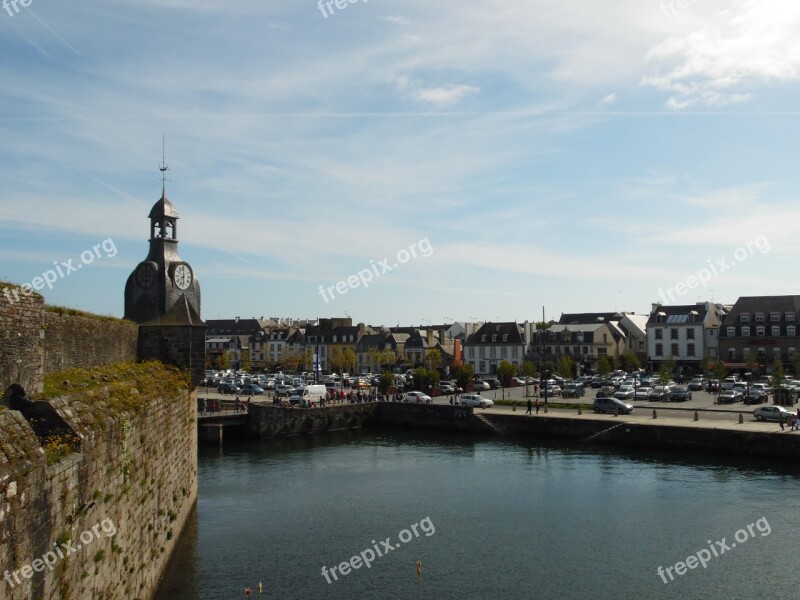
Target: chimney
x: 429, y: 333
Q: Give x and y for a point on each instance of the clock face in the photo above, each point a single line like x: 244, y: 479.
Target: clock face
x: 182, y: 276
x: 145, y: 275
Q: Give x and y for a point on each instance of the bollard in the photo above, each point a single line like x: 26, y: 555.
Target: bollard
x: 545, y: 408
x: 580, y: 412
x: 741, y: 420
x: 514, y: 406
x: 616, y: 412
x: 655, y: 416
x: 696, y: 417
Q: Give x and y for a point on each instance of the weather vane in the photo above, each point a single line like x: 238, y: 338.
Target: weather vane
x: 163, y: 168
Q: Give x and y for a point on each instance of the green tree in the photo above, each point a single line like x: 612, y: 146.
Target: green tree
x: 529, y: 368
x: 425, y: 379
x: 505, y: 371
x: 208, y: 362
x: 244, y: 357
x: 751, y: 361
x: 464, y: 375
x: 603, y: 366
x: 565, y: 364
x: 778, y: 374
x: 630, y: 362
x: 796, y: 363
x: 434, y: 359
x: 223, y: 361
x: 705, y: 364
x: 666, y: 369
x: 386, y: 381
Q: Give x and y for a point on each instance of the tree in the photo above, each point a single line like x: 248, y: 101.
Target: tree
x: 434, y: 359
x: 425, y: 379
x: 565, y: 364
x: 223, y: 361
x: 208, y: 362
x: 386, y: 381
x: 529, y: 368
x: 246, y: 365
x: 705, y: 364
x: 603, y: 366
x: 751, y: 361
x: 665, y: 371
x: 505, y: 371
x: 720, y: 372
x: 630, y: 362
x: 293, y: 361
x: 796, y: 363
x: 778, y: 374
x: 464, y: 375
x: 342, y: 359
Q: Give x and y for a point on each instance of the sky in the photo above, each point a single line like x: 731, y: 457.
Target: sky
x: 405, y: 162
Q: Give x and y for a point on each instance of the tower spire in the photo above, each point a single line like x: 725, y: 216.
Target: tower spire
x: 163, y: 168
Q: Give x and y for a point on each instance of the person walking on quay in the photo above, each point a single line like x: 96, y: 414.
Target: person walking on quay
x: 530, y: 408
x: 781, y: 421
x: 537, y: 405
x: 237, y: 405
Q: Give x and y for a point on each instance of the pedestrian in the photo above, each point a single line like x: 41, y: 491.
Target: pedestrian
x: 247, y: 591
x: 781, y: 421
x: 537, y: 405
x: 248, y: 403
x: 793, y: 421
x: 530, y: 407
x: 237, y: 405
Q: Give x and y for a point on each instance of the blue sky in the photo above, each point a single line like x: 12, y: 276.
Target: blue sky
x: 576, y: 155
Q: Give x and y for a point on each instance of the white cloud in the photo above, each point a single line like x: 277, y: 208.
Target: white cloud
x: 396, y: 19
x: 609, y: 99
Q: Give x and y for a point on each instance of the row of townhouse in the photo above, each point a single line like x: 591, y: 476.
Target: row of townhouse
x: 335, y: 344
x: 755, y: 329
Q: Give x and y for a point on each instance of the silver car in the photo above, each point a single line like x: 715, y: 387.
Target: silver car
x: 772, y: 413
x: 475, y: 400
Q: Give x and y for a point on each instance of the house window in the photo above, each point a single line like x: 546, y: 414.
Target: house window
x: 515, y: 351
x: 759, y: 317
x: 673, y: 334
x: 675, y: 350
x: 472, y: 351
x: 789, y: 316
x: 792, y: 350
x: 731, y: 353
x: 731, y: 331
x: 744, y: 318
x: 586, y: 350
x: 483, y: 337
x: 492, y: 352
x: 791, y: 330
x: 760, y: 330
x: 503, y: 351
x: 494, y: 338
x: 776, y: 330
x: 659, y: 334
x: 690, y: 333
x: 690, y: 349
x: 776, y: 352
x: 774, y: 317
x: 482, y: 352
x: 602, y: 351
x: 483, y: 367
x: 659, y: 350
x: 746, y: 330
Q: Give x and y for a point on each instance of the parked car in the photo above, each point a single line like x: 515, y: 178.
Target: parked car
x: 282, y: 389
x: 251, y: 389
x: 611, y: 405
x: 642, y: 393
x: 772, y: 413
x: 518, y: 380
x: 728, y: 383
x: 607, y: 391
x: 494, y: 383
x: 755, y: 396
x: 475, y: 400
x: 228, y: 388
x: 767, y: 390
x: 680, y: 393
x: 697, y: 384
x: 712, y: 385
x: 573, y: 390
x: 416, y: 397
x: 552, y: 390
x: 730, y: 396
x: 480, y: 386
x: 625, y: 392
x: 447, y: 388
x: 660, y: 393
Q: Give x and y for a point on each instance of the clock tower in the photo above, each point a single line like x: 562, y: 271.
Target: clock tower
x: 162, y: 295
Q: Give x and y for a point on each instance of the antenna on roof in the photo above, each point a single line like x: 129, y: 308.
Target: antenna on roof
x: 163, y: 167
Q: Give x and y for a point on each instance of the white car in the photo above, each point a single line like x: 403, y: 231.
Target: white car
x: 625, y: 392
x: 475, y: 400
x: 417, y: 398
x: 642, y: 393
x: 481, y: 385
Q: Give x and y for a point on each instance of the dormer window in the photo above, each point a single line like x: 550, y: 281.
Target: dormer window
x: 774, y: 317
x: 744, y: 318
x: 731, y: 331
x: 483, y: 337
x: 788, y: 316
x: 759, y: 317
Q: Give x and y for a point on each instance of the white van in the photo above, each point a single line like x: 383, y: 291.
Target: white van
x: 310, y: 393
